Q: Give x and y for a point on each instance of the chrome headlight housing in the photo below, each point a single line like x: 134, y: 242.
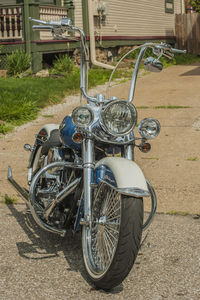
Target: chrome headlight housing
x: 82, y: 116
x: 118, y: 117
x: 149, y: 128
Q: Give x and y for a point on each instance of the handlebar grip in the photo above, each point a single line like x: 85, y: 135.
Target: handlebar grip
x: 42, y: 27
x: 178, y: 51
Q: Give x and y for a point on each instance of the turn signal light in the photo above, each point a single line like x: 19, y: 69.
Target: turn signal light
x: 77, y: 137
x: 146, y: 147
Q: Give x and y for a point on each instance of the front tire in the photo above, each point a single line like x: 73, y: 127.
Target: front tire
x: 111, y: 243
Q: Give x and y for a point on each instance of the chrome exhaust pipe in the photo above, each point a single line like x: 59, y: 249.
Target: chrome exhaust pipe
x: 20, y: 190
x: 25, y: 195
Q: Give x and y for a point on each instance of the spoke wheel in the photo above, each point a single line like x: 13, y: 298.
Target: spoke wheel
x: 102, y: 237
x: 111, y: 242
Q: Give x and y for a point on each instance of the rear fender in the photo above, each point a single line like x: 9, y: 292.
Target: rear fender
x: 35, y: 154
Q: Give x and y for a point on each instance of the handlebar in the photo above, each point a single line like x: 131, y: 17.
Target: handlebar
x: 42, y: 27
x: 178, y: 51
x: 63, y: 22
x: 59, y: 27
x: 167, y: 48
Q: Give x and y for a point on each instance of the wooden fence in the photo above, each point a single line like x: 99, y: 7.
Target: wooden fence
x: 188, y: 32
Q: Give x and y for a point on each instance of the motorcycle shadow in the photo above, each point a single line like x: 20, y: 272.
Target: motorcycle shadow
x: 41, y: 244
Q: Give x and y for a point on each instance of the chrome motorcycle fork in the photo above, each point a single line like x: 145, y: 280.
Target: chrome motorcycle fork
x: 88, y: 173
x: 129, y: 152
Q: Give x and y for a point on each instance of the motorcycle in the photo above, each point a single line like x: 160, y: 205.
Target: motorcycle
x: 82, y: 172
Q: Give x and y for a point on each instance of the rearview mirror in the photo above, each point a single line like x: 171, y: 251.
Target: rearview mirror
x: 153, y: 65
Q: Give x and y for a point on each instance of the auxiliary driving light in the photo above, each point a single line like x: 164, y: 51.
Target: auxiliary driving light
x: 146, y: 147
x: 77, y: 137
x: 149, y: 128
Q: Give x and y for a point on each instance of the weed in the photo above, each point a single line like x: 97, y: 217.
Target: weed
x: 185, y: 213
x: 192, y: 159
x: 174, y: 213
x: 18, y: 62
x: 170, y: 107
x: 48, y: 116
x: 9, y: 200
x: 4, y: 128
x: 63, y: 65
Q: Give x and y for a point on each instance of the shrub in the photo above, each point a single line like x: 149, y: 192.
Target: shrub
x: 18, y: 62
x: 63, y: 65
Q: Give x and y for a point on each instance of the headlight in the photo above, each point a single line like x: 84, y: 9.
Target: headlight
x: 149, y: 128
x: 82, y: 116
x: 118, y: 117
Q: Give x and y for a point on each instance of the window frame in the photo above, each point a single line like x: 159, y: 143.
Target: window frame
x: 167, y: 9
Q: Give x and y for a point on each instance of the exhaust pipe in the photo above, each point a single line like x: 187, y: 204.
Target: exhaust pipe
x: 23, y: 192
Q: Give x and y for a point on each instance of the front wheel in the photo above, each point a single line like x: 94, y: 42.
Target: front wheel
x: 111, y: 243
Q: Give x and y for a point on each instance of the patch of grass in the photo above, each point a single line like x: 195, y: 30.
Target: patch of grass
x: 192, y: 159
x: 48, y: 116
x: 9, y: 200
x: 63, y: 65
x: 170, y: 107
x: 4, y: 128
x: 174, y: 213
x: 22, y: 98
x: 18, y: 61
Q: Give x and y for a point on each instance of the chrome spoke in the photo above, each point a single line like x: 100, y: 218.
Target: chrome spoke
x: 109, y: 238
x: 107, y: 201
x: 104, y: 231
x: 113, y: 218
x: 109, y: 247
x: 114, y: 230
x: 112, y: 208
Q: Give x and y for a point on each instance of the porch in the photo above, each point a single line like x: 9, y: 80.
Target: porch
x: 16, y: 32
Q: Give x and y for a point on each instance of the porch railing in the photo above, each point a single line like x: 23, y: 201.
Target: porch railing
x: 11, y: 23
x: 51, y: 13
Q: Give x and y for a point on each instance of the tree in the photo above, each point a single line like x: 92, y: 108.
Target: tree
x: 195, y: 5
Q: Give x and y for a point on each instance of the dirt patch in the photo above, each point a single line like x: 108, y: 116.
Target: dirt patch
x: 173, y: 164
x: 3, y: 73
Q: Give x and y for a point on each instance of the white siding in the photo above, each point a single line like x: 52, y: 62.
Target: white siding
x: 78, y: 13
x: 135, y: 18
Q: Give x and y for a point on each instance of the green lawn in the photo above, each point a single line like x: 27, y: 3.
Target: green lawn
x: 22, y: 98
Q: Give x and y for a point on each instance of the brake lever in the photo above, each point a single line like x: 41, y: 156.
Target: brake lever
x: 168, y: 54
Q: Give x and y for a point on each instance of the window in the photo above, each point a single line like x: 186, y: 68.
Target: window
x: 169, y: 6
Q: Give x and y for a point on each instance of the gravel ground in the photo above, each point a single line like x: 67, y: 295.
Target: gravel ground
x: 38, y: 265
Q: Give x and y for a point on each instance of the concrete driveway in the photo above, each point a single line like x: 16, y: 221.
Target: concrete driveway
x: 38, y: 265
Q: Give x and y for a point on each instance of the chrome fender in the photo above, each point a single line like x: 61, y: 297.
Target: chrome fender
x: 123, y: 174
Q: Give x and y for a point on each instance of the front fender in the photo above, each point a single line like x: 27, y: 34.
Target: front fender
x: 123, y: 174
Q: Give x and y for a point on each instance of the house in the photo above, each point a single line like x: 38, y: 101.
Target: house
x: 110, y: 23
